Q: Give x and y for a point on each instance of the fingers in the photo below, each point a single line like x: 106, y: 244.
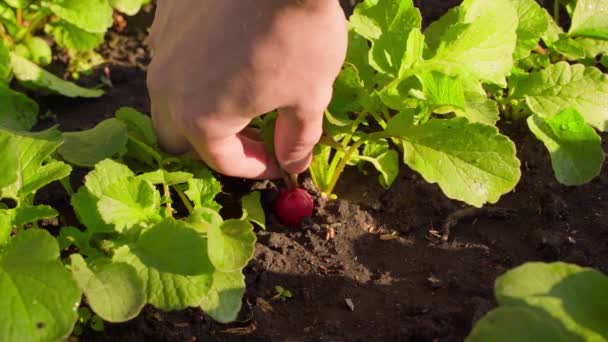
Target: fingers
x: 234, y: 152
x: 297, y: 131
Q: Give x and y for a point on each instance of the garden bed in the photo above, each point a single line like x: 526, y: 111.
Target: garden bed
x: 387, y: 274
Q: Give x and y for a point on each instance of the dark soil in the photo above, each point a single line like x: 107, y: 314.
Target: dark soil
x: 387, y: 260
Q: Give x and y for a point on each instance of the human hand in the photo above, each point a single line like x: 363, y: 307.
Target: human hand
x: 217, y: 64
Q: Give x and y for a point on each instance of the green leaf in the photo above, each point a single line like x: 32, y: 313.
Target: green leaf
x: 18, y: 3
x: 113, y: 290
x: 85, y: 207
x: 231, y: 245
x: 167, y: 291
x: 576, y: 149
x: 9, y: 172
x: 562, y: 86
x: 385, y: 160
x: 252, y: 209
x: 202, y: 191
x: 5, y: 65
x: 470, y: 162
x: 127, y: 203
x: 166, y: 177
x: 570, y: 294
x: 533, y: 23
x: 442, y: 91
x: 106, y: 173
x: 89, y: 15
x: 202, y: 219
x: 589, y: 19
x: 478, y: 40
x: 593, y: 47
x: 569, y: 48
x: 36, y: 169
x: 138, y: 124
x: 171, y: 246
x: 507, y: 324
x: 30, y: 214
x: 128, y: 7
x: 39, y: 296
x: 40, y: 51
x: 387, y: 25
x: 17, y: 111
x: 87, y: 148
x: 31, y: 75
x: 72, y: 37
x: 224, y: 300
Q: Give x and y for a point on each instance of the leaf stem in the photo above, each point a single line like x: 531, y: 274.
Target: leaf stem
x: 556, y: 10
x: 167, y: 195
x: 184, y: 199
x: 33, y: 26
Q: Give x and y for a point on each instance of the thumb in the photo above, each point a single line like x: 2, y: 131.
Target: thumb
x: 297, y: 131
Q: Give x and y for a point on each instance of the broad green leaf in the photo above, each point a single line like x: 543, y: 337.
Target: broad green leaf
x: 576, y: 149
x: 319, y: 167
x: 384, y: 159
x: 231, y: 245
x: 35, y: 170
x: 443, y: 93
x: 17, y: 111
x: 349, y: 94
x: 138, y: 124
x: 10, y: 160
x: 171, y: 246
x: 127, y: 203
x: 357, y: 55
x: 570, y: 48
x: 40, y: 51
x: 507, y: 324
x: 85, y: 207
x: 572, y: 295
x: 386, y: 24
x: 167, y: 291
x: 224, y: 300
x: 252, y: 209
x: 33, y: 76
x: 590, y: 19
x: 479, y: 108
x: 480, y: 43
x: 20, y: 216
x: 72, y: 37
x: 87, y: 148
x: 18, y: 3
x: 202, y: 191
x: 128, y: 7
x: 106, y: 173
x: 593, y: 47
x: 89, y: 15
x: 202, y: 219
x: 31, y: 214
x: 6, y: 227
x: 39, y: 295
x: 533, y: 23
x: 562, y: 86
x: 166, y: 177
x: 470, y: 162
x: 5, y: 65
x: 114, y: 290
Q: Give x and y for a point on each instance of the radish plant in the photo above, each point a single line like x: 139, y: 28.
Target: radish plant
x: 133, y: 246
x: 435, y: 96
x: 28, y: 31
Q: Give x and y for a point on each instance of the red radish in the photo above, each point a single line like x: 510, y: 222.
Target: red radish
x: 292, y: 206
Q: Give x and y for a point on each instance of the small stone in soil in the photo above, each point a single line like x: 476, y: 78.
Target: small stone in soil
x: 350, y: 304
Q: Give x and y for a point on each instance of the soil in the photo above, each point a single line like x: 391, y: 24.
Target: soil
x: 387, y: 275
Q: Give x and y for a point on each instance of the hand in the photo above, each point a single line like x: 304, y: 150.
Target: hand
x: 217, y: 64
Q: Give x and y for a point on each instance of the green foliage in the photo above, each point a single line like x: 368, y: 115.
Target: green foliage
x: 547, y: 302
x: 401, y: 89
x: 133, y: 247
